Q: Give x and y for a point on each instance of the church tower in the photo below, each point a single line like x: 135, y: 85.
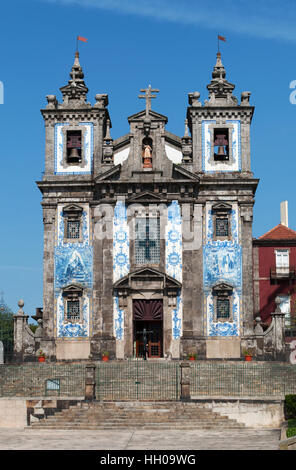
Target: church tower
x: 220, y: 131
x: 75, y: 133
x: 147, y: 237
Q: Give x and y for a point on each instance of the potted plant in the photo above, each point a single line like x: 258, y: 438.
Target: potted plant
x: 248, y: 355
x: 41, y: 356
x: 105, y: 356
x: 192, y: 356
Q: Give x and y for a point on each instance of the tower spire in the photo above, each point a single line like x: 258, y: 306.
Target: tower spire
x: 74, y: 94
x: 220, y: 90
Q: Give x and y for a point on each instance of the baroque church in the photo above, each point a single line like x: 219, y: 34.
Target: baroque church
x: 150, y: 232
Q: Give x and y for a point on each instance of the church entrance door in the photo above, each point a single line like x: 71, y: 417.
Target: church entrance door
x: 148, y: 320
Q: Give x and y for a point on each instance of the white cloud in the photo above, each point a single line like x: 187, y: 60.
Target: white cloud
x: 269, y: 19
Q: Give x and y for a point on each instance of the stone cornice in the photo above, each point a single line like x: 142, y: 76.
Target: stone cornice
x: 244, y: 113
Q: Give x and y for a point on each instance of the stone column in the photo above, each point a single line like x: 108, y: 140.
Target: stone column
x: 20, y: 320
x: 185, y: 381
x: 278, y: 319
x: 90, y: 382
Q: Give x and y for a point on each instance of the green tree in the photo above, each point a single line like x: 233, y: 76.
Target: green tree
x: 6, y: 328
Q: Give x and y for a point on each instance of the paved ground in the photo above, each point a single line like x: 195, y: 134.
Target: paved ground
x: 30, y: 439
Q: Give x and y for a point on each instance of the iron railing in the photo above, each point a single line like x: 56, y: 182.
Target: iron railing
x: 138, y: 380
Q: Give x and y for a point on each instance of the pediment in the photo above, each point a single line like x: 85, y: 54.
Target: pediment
x: 181, y: 173
x: 221, y: 206
x: 72, y: 208
x: 222, y: 286
x: 111, y: 174
x: 144, y: 197
x: 140, y: 116
x: 149, y: 276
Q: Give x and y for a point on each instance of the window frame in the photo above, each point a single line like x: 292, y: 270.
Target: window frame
x: 73, y: 293
x: 221, y: 210
x: 72, y: 213
x: 147, y: 217
x: 225, y: 292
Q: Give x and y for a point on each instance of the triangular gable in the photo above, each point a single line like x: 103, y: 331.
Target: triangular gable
x: 141, y: 115
x: 148, y: 273
x: 144, y: 196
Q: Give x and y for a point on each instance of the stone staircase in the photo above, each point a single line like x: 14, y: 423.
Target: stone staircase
x: 137, y: 415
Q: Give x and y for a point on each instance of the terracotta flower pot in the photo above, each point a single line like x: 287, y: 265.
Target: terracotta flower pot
x: 105, y: 358
x: 191, y: 358
x: 248, y: 358
x: 41, y: 359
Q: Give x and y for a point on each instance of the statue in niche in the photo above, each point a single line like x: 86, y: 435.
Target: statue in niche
x: 147, y: 153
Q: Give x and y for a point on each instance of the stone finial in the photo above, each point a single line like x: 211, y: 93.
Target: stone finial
x: 245, y: 98
x: 101, y: 101
x: 186, y: 131
x: 52, y: 102
x: 258, y: 328
x: 220, y: 89
x: 193, y: 99
x: 21, y: 304
x: 74, y: 94
x: 108, y: 135
x: 108, y: 144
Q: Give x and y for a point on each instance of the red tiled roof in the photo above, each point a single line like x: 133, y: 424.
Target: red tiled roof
x: 280, y: 232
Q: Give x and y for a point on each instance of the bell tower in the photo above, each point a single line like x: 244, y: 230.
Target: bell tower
x: 220, y: 133
x: 77, y: 134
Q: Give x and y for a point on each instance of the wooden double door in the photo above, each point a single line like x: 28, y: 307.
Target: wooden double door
x: 148, y: 324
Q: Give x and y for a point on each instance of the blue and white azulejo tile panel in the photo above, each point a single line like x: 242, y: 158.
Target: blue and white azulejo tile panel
x: 173, y: 254
x: 222, y: 263
x: 61, y: 167
x: 208, y: 163
x: 73, y: 264
x: 121, y: 260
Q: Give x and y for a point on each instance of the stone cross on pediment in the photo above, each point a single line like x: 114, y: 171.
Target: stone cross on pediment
x: 148, y: 96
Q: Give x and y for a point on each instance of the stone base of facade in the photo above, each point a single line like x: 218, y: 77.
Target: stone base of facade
x: 72, y: 349
x: 223, y: 348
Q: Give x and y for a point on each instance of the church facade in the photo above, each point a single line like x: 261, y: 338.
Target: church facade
x: 150, y: 231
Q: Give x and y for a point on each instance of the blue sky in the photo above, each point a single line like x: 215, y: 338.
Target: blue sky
x: 171, y: 44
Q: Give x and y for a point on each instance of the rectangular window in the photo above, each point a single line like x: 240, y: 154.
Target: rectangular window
x: 147, y: 241
x: 73, y: 309
x: 223, y: 308
x: 282, y: 261
x: 73, y: 229
x: 222, y: 226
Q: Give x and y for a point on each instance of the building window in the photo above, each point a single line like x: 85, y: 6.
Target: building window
x: 72, y: 303
x: 72, y: 224
x: 74, y: 148
x: 223, y: 308
x: 221, y: 144
x: 221, y: 213
x: 147, y: 242
x: 222, y: 226
x: 73, y: 309
x: 223, y: 294
x: 282, y: 262
x: 73, y: 229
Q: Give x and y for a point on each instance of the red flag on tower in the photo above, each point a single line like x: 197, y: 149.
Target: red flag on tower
x: 222, y: 38
x: 80, y: 38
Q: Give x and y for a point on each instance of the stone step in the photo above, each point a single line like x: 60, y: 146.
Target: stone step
x: 150, y: 426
